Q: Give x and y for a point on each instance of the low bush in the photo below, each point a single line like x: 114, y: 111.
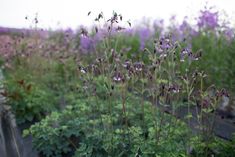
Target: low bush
x: 85, y: 130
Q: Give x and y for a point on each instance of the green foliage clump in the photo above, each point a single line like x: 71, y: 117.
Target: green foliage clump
x: 85, y: 130
x: 217, y: 59
x: 29, y: 101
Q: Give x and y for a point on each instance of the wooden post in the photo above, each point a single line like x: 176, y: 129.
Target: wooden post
x: 11, y: 144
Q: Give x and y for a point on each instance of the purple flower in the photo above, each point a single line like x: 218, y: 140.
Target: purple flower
x: 158, y: 25
x: 185, y: 52
x: 138, y: 66
x: 144, y: 35
x: 174, y: 88
x: 229, y: 33
x: 185, y: 26
x: 164, y: 44
x: 69, y: 32
x: 129, y: 31
x: 118, y: 77
x: 4, y: 30
x: 208, y: 19
x: 127, y: 64
x: 206, y: 102
x: 86, y: 43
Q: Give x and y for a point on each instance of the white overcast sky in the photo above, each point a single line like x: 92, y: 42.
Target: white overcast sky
x: 72, y: 13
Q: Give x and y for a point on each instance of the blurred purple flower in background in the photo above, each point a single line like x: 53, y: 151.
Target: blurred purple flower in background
x: 129, y: 31
x: 158, y: 25
x: 100, y: 35
x: 185, y: 26
x: 208, y: 19
x: 229, y: 33
x: 69, y: 32
x: 3, y: 30
x: 144, y: 35
x: 86, y: 44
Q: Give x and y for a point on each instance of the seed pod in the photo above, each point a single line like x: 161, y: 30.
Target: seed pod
x: 96, y: 29
x: 88, y: 13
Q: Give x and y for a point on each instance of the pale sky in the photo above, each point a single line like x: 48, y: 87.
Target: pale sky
x: 72, y: 13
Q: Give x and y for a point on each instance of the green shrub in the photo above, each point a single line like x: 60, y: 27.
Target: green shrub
x: 217, y: 59
x: 29, y: 101
x: 87, y: 131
